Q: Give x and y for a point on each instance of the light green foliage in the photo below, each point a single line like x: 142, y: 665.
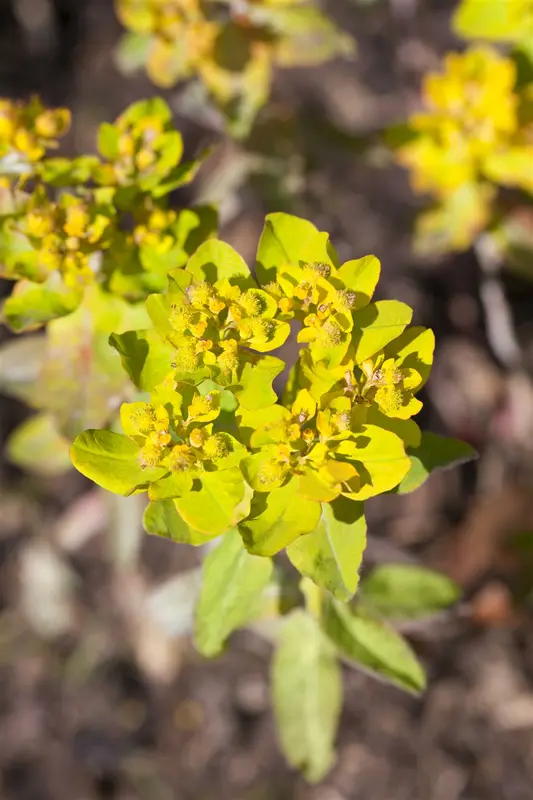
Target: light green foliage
x: 373, y: 645
x: 306, y: 687
x: 231, y: 52
x: 101, y: 219
x: 332, y: 554
x: 434, y: 452
x: 407, y: 591
x: 225, y: 452
x: 85, y: 240
x: 233, y: 582
x: 203, y: 434
x: 496, y: 20
x: 473, y: 135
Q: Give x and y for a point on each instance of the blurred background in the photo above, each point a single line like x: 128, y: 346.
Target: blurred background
x: 101, y: 693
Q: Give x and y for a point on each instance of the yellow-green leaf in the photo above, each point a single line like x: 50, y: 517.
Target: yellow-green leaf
x: 307, y: 693
x: 372, y: 645
x: 281, y: 242
x: 112, y: 461
x: 497, y: 20
x: 361, y: 276
x: 276, y: 519
x: 407, y: 591
x: 215, y: 502
x: 233, y: 583
x: 331, y: 555
x: 162, y: 519
x: 215, y: 260
x: 376, y: 325
x: 146, y: 358
x: 380, y: 460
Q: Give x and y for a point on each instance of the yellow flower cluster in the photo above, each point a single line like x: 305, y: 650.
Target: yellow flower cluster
x: 212, y: 321
x: 304, y: 442
x: 177, y: 443
x: 230, y: 47
x: 170, y: 22
x: 67, y: 236
x: 30, y: 129
x: 474, y: 135
x: 471, y: 114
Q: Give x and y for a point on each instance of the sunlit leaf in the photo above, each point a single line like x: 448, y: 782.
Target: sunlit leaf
x: 112, y: 461
x: 233, y: 582
x: 376, y: 325
x: 372, y: 645
x: 276, y: 519
x: 434, y: 452
x: 406, y: 591
x: 331, y: 555
x: 306, y: 688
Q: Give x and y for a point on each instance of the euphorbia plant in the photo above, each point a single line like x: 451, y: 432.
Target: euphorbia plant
x: 231, y: 49
x: 220, y: 455
x: 472, y: 139
x: 84, y: 240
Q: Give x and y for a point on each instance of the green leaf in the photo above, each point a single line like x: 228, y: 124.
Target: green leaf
x: 215, y: 260
x: 332, y: 554
x: 372, y: 645
x: 318, y: 248
x: 512, y: 167
x: 311, y: 36
x: 276, y: 519
x: 281, y: 241
x: 254, y: 390
x: 376, y: 325
x: 307, y: 695
x: 145, y: 357
x: 38, y: 447
x: 132, y: 51
x: 233, y: 582
x: 497, y: 20
x: 32, y: 304
x: 434, y: 452
x: 162, y: 519
x: 63, y: 172
x: 216, y: 502
x: 112, y: 461
x: 153, y: 107
x: 108, y: 137
x: 181, y: 175
x: 170, y: 486
x: 407, y: 591
x: 362, y: 276
x: 380, y: 460
x: 413, y: 349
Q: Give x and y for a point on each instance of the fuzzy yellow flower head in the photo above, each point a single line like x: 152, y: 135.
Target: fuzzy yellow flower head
x: 470, y: 112
x: 211, y: 321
